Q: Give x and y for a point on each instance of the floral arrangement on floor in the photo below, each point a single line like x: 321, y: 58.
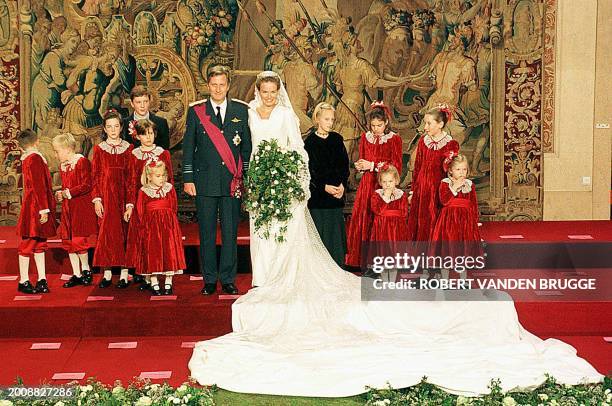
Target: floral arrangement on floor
x: 550, y: 393
x: 143, y: 393
x: 273, y: 183
x: 138, y: 393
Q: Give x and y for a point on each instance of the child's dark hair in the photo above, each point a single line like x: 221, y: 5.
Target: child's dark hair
x: 142, y: 126
x: 379, y: 113
x: 441, y: 115
x: 109, y: 115
x: 27, y: 138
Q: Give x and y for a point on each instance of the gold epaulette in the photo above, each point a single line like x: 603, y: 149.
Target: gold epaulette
x: 240, y: 101
x: 197, y: 102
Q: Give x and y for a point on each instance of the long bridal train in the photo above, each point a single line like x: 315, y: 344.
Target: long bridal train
x: 308, y: 333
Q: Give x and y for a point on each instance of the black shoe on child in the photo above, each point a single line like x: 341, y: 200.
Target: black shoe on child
x: 122, y: 284
x: 87, y: 278
x: 104, y: 283
x: 168, y: 290
x: 42, y: 287
x: 73, y: 281
x: 156, y: 290
x: 26, y: 287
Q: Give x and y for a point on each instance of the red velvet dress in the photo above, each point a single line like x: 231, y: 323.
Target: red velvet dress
x: 456, y: 231
x: 380, y: 150
x: 160, y: 243
x: 37, y: 198
x: 428, y: 172
x: 110, y: 184
x: 390, y: 217
x: 138, y: 159
x: 78, y: 214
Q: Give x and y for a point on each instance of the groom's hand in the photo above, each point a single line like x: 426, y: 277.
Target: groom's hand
x: 190, y: 189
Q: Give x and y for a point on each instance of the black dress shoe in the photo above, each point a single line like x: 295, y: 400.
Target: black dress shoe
x: 168, y: 290
x: 138, y: 279
x: 156, y: 291
x: 42, y: 287
x: 87, y: 278
x: 73, y: 281
x: 144, y: 287
x: 26, y: 287
x: 209, y: 288
x: 104, y: 283
x: 122, y: 284
x: 230, y: 288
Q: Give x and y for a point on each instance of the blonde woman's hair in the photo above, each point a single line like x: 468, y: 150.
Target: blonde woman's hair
x: 149, y: 168
x: 320, y: 107
x: 65, y: 140
x: 388, y: 169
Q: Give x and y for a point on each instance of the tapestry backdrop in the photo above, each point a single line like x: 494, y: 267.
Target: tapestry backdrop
x: 65, y: 62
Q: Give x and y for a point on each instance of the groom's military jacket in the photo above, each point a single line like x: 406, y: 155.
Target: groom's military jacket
x: 202, y: 164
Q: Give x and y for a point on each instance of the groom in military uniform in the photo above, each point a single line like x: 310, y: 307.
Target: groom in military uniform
x: 216, y: 152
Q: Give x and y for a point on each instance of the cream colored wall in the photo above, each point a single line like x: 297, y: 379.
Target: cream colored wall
x: 580, y: 103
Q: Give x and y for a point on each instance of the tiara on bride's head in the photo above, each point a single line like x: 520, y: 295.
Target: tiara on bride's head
x: 267, y: 74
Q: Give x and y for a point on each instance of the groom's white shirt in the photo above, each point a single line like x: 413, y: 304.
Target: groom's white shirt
x: 223, y: 108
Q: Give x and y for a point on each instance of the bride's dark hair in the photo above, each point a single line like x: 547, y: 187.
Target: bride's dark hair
x: 272, y: 79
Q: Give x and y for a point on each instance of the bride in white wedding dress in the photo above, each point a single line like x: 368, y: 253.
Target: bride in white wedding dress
x: 305, y: 330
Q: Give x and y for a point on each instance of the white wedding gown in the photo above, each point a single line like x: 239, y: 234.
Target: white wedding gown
x: 305, y: 331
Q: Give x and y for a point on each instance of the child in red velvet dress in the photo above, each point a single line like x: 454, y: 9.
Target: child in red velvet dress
x: 145, y: 132
x: 37, y: 216
x: 377, y: 147
x: 110, y: 183
x: 160, y: 242
x: 390, y: 208
x: 432, y: 150
x: 456, y: 231
x: 78, y: 225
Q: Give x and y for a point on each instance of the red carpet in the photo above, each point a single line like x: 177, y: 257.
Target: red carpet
x: 86, y: 327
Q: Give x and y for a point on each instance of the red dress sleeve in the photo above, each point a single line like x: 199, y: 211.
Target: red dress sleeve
x: 140, y: 203
x: 418, y: 162
x: 96, y: 171
x: 445, y: 193
x: 82, y: 178
x: 165, y: 157
x: 474, y: 201
x: 173, y: 200
x: 362, y: 146
x: 41, y: 187
x: 134, y: 180
x: 376, y: 204
x: 404, y: 206
x: 396, y: 153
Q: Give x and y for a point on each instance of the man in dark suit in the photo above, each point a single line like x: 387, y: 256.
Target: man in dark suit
x: 140, y: 99
x: 216, y: 150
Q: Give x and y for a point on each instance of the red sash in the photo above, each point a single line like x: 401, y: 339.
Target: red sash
x: 391, y: 213
x: 457, y: 202
x: 223, y: 149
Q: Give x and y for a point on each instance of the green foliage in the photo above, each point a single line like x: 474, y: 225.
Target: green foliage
x: 272, y: 185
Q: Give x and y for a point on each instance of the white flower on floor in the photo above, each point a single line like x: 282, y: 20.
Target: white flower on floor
x: 181, y: 389
x: 86, y: 389
x: 6, y: 403
x: 144, y: 401
x: 462, y: 400
x: 509, y: 401
x: 60, y: 403
x: 543, y: 396
x: 117, y: 390
x: 268, y: 148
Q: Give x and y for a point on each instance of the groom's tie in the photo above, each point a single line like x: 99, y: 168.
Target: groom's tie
x: 219, y: 115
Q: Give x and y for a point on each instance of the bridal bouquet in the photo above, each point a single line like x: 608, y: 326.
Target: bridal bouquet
x: 272, y: 184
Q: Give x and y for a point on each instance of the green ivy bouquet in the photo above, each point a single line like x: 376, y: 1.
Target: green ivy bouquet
x: 273, y: 182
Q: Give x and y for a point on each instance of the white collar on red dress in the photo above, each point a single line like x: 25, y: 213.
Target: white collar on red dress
x: 140, y: 154
x: 431, y: 144
x: 32, y: 152
x: 466, y: 188
x: 114, y: 149
x: 157, y: 193
x: 381, y: 139
x: 69, y: 165
x: 396, y: 195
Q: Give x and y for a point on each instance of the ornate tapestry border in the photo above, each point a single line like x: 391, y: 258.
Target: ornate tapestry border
x: 548, y: 79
